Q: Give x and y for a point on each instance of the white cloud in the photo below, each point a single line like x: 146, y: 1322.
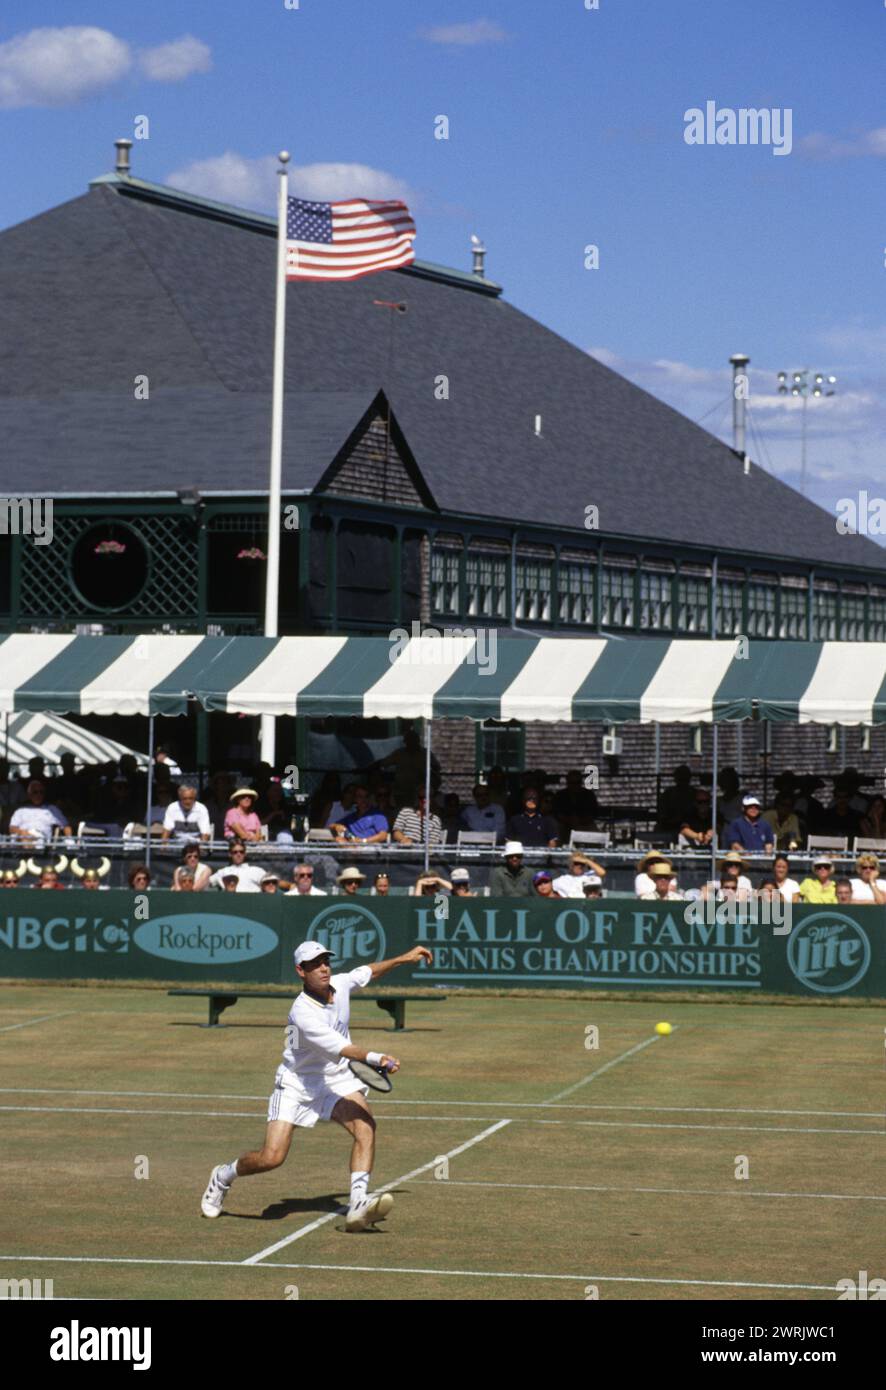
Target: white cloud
x: 819, y: 145
x: 51, y: 67
x: 173, y: 62
x: 466, y: 35
x: 252, y: 183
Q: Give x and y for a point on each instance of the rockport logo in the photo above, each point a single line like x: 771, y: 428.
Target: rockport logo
x: 829, y: 953
x: 205, y: 939
x: 76, y: 1343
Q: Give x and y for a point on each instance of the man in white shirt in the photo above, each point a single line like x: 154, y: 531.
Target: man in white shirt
x: 249, y: 876
x: 665, y: 889
x: 314, y: 1082
x: 485, y: 814
x: 36, y: 821
x: 303, y: 883
x: 581, y: 867
x: 187, y: 818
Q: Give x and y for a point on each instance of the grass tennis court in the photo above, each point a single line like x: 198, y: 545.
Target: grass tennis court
x: 567, y: 1167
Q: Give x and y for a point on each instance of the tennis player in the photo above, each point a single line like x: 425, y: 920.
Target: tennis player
x: 314, y: 1082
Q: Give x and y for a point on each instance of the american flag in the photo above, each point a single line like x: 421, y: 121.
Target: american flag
x: 342, y: 241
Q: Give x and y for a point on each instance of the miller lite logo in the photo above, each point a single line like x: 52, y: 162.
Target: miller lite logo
x: 829, y: 953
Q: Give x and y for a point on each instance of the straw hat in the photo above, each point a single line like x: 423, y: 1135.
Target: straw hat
x: 733, y: 857
x: 243, y: 791
x: 664, y: 870
x: 351, y: 875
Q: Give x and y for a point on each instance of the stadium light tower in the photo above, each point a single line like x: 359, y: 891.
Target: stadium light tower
x: 799, y: 384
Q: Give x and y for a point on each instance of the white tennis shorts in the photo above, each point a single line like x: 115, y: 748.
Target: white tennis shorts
x: 288, y: 1103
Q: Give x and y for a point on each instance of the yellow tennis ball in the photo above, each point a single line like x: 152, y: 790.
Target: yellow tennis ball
x: 663, y: 1029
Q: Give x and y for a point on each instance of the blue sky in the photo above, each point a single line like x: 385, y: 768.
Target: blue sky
x: 566, y: 129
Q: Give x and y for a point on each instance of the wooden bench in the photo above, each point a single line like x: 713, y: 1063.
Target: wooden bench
x: 220, y: 999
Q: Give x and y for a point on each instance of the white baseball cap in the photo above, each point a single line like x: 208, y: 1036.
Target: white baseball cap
x: 310, y: 950
x: 750, y: 801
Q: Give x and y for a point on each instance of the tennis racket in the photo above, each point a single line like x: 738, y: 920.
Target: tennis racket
x: 375, y: 1077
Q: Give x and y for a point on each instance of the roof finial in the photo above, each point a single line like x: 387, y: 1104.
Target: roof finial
x: 123, y: 147
x: 479, y: 256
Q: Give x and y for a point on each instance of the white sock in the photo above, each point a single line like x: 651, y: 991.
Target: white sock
x: 227, y: 1173
x: 359, y: 1184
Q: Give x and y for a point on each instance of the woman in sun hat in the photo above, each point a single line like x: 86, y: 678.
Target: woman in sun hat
x: 644, y: 882
x: 350, y: 879
x: 242, y: 820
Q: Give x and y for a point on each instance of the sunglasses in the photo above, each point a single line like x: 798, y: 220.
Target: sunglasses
x: 304, y: 875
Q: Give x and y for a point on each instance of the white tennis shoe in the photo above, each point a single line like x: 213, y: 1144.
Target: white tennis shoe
x: 367, y: 1211
x: 215, y: 1194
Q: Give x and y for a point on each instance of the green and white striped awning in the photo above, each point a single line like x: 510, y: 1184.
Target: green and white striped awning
x: 522, y: 678
x: 29, y: 734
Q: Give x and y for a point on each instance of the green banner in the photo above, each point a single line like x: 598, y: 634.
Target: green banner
x: 482, y: 942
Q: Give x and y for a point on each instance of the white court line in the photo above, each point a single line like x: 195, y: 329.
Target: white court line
x: 606, y: 1067
x: 445, y: 1119
x: 492, y: 1104
x: 407, y: 1177
x: 9, y: 1027
x: 436, y: 1273
x: 667, y: 1191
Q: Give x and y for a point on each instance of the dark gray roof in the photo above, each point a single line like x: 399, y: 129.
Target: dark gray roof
x: 121, y: 283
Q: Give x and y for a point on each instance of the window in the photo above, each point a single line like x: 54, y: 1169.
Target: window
x: 729, y: 608
x: 576, y: 599
x: 533, y: 596
x: 824, y: 628
x: 692, y: 613
x: 500, y: 745
x: 617, y: 598
x: 851, y: 618
x: 486, y: 578
x: 656, y: 604
x: 761, y: 610
x: 445, y: 586
x: 794, y: 618
x: 876, y: 619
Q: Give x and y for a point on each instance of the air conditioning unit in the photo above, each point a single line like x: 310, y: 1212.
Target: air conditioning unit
x: 612, y: 745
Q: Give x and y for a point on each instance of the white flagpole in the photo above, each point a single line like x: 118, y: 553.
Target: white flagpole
x: 272, y: 588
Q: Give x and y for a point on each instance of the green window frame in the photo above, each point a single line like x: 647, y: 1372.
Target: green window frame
x: 730, y: 607
x: 693, y: 606
x: 852, y: 625
x: 761, y: 609
x: 656, y: 601
x: 616, y: 597
x: 534, y: 582
x: 793, y: 621
x: 576, y: 594
x: 486, y: 582
x: 445, y: 580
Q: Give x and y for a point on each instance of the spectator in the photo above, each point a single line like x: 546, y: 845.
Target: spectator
x: 164, y: 759
x: 9, y: 878
x: 768, y: 890
x: 191, y: 864
x: 452, y: 815
x: 873, y: 822
x: 543, y: 885
x: 485, y: 814
x: 343, y: 806
x: 511, y: 879
x: 35, y: 822
x: 748, y: 831
x: 730, y: 866
x: 364, y: 825
x: 230, y: 882
x: 868, y: 886
x: 840, y: 818
x: 270, y: 882
x: 677, y: 803
x: 530, y: 826
x: 139, y: 878
x: 498, y: 787
x: 248, y: 876
x: 844, y: 890
x: 187, y: 818
x: 788, y: 887
x: 324, y: 799
x: 820, y: 888
x: 381, y: 886
x: 185, y: 881
x: 91, y: 877
x: 461, y: 884
x: 643, y: 882
x: 429, y: 885
x: 665, y: 889
x: 120, y: 809
x: 242, y: 819
x: 303, y: 883
x: 575, y: 806
x: 807, y: 806
x: 571, y: 884
x: 785, y: 822
x: 729, y: 805
x: 408, y: 763
x: 350, y: 880
x: 277, y: 816
x: 592, y: 886
x: 411, y: 825
x: 49, y: 878
x: 698, y: 828
x: 218, y: 799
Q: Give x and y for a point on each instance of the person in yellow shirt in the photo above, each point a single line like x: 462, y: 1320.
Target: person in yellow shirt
x: 821, y: 887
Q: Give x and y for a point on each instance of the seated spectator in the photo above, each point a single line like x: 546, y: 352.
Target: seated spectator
x: 788, y: 887
x: 186, y: 818
x: 592, y: 886
x: 381, y: 796
x: 643, y: 882
x: 785, y: 822
x: 730, y: 867
x: 276, y: 816
x: 324, y: 799
x: 697, y: 828
x: 530, y: 827
x: 873, y: 823
x: 412, y: 824
x: 461, y: 884
x: 381, y: 885
x: 868, y: 886
x: 163, y: 759
x: 729, y: 804
x: 218, y: 799
x: 242, y: 819
x: 575, y: 806
x: 350, y: 879
x: 49, y: 877
x: 485, y: 814
x: 451, y: 815
x: 748, y: 831
x: 230, y: 882
x: 91, y: 877
x: 820, y: 888
x: 341, y: 807
x: 429, y: 885
x: 185, y: 881
x: 665, y: 889
x: 511, y: 879
x: 844, y: 890
x: 200, y: 874
x: 497, y: 783
x: 806, y: 804
x: 10, y: 878
x: 139, y: 877
x: 364, y: 825
x: 840, y: 818
x: 768, y: 890
x: 270, y: 882
x: 35, y: 821
x: 303, y: 883
x: 571, y: 884
x: 543, y: 885
x: 677, y: 803
x: 248, y: 876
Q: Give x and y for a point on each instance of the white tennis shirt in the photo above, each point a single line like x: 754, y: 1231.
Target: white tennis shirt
x: 316, y: 1034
